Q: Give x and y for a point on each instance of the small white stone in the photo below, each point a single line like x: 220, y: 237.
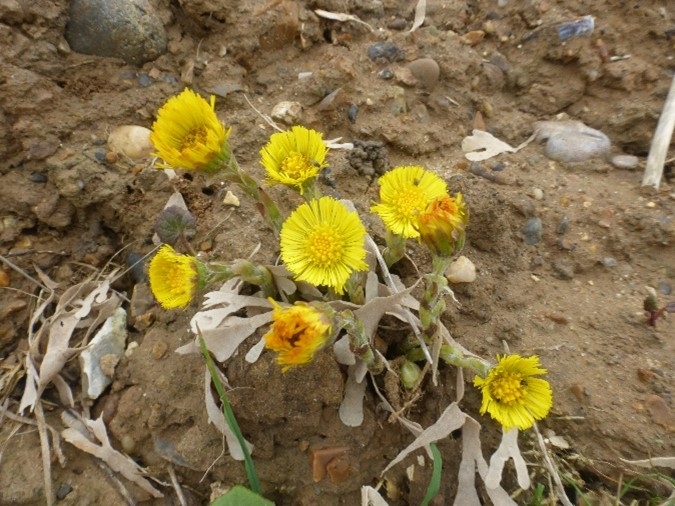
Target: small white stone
x: 461, y: 270
x: 231, y: 199
x: 625, y: 161
x: 98, y: 360
x: 538, y: 193
x: 131, y: 141
x: 287, y: 112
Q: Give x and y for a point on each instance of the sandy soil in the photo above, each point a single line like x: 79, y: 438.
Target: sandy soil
x: 574, y: 298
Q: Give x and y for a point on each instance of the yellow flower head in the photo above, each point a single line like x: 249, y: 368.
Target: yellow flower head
x: 323, y: 243
x: 511, y: 393
x: 442, y: 224
x: 294, y: 158
x: 405, y: 192
x: 297, y: 333
x: 188, y: 135
x: 174, y: 278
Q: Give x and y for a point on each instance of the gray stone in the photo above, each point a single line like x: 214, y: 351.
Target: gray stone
x: 127, y: 29
x: 532, y: 231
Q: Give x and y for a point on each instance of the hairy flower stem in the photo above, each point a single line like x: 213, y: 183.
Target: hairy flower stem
x: 256, y: 275
x: 395, y: 249
x: 248, y: 271
x: 359, y: 342
x: 455, y: 357
x: 267, y: 207
x: 433, y: 302
x: 311, y: 191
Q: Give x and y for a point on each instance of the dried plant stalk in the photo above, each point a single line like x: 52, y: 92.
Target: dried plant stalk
x: 661, y: 141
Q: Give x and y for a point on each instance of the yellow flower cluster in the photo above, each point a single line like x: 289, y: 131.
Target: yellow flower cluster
x: 322, y: 242
x: 511, y: 393
x: 294, y: 158
x: 405, y: 192
x: 187, y: 133
x: 297, y: 333
x: 174, y: 278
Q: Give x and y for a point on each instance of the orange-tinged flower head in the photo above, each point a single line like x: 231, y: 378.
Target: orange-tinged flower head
x: 187, y: 134
x: 297, y: 333
x: 175, y: 278
x: 405, y: 192
x: 442, y: 225
x: 294, y: 158
x: 511, y: 393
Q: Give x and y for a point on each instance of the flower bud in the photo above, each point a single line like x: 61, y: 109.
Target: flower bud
x: 442, y: 225
x: 410, y: 373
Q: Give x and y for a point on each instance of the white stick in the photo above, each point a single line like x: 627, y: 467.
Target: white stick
x: 661, y: 141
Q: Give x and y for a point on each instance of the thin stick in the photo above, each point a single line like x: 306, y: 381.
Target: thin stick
x: 176, y: 486
x: 46, y: 454
x: 562, y: 496
x: 661, y: 141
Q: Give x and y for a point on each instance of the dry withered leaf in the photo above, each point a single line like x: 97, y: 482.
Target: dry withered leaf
x: 117, y: 461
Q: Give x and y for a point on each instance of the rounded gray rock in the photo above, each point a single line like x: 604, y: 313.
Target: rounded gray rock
x: 127, y: 29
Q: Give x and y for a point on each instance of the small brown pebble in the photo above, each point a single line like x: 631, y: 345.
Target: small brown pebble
x: 426, y: 71
x: 602, y: 50
x: 159, y: 349
x: 111, y: 157
x: 660, y: 412
x: 473, y: 37
x: 322, y: 457
x: 4, y: 279
x: 479, y: 122
x: 578, y: 391
x: 645, y: 375
x: 338, y: 469
x: 558, y: 318
x: 206, y: 245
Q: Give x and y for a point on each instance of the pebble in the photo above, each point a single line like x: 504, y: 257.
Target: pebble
x: 575, y: 148
x: 532, y: 231
x: 132, y: 141
x: 108, y: 343
x: 563, y: 269
x: 352, y: 112
x: 538, y: 193
x: 4, y: 279
x: 625, y: 161
x: 385, y: 74
x: 132, y: 31
x: 397, y: 24
x: 665, y: 288
x: 231, y: 199
x: 474, y: 37
x: 426, y: 71
x: 461, y: 270
x: 563, y: 226
x: 38, y: 177
x: 63, y: 490
x: 387, y: 51
x: 571, y: 141
x: 159, y: 348
x: 287, y: 112
x: 609, y: 262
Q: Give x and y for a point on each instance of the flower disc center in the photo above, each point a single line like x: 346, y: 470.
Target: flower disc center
x: 195, y: 137
x: 410, y: 202
x: 296, y: 165
x: 324, y: 246
x: 508, y: 388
